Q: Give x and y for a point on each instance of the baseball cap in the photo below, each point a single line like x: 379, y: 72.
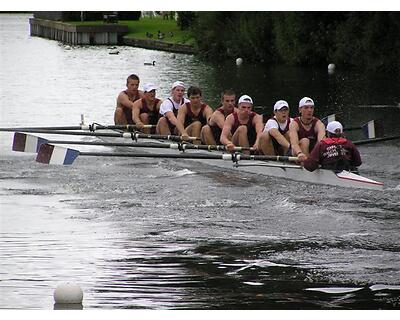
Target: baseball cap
x: 149, y: 87
x: 178, y: 84
x: 306, y: 101
x: 333, y: 126
x: 280, y: 104
x: 245, y: 98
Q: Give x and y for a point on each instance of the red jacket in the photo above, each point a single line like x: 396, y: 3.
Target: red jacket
x: 335, y: 154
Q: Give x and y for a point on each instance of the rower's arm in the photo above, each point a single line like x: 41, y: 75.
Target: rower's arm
x: 294, y: 138
x: 320, y: 128
x: 137, y: 105
x: 226, y: 130
x: 217, y: 118
x: 274, y: 132
x: 259, y: 126
x: 123, y: 100
x: 208, y: 112
x: 180, y: 120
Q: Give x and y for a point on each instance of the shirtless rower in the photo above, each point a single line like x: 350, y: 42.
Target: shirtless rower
x: 193, y: 115
x: 211, y: 132
x: 146, y: 110
x: 306, y: 130
x: 245, y: 126
x: 125, y: 100
x: 169, y: 109
x: 275, y: 138
x: 334, y: 152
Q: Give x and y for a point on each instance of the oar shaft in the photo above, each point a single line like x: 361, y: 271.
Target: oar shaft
x: 368, y: 141
x: 127, y: 135
x: 91, y: 127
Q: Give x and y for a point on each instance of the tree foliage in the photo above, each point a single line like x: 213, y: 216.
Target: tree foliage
x: 353, y: 39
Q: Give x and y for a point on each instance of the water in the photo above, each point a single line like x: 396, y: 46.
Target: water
x: 165, y: 234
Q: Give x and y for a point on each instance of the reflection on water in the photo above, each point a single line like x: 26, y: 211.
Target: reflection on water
x: 157, y: 234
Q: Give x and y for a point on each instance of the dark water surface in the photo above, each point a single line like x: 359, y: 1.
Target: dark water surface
x: 171, y: 234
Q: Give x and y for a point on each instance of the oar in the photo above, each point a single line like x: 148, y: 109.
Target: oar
x: 367, y: 141
x: 85, y: 127
x: 51, y: 154
x: 29, y: 143
x: 126, y: 135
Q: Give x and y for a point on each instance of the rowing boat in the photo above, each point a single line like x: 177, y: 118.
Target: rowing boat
x: 51, y: 153
x: 281, y: 170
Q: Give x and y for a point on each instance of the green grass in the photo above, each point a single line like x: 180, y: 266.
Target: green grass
x: 138, y: 29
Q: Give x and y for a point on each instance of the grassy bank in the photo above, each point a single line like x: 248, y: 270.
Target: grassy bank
x: 139, y: 29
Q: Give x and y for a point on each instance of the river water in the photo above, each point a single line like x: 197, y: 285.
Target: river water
x: 164, y: 234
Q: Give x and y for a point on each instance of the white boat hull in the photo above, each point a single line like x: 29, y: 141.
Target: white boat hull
x: 275, y: 169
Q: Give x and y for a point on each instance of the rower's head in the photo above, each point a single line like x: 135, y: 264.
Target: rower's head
x: 194, y: 95
x: 281, y: 110
x: 334, y: 129
x: 306, y: 107
x: 132, y: 83
x: 228, y: 100
x: 149, y: 90
x: 245, y: 103
x: 178, y: 90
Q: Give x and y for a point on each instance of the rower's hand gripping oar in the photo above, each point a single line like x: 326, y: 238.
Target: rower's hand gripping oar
x: 51, y: 154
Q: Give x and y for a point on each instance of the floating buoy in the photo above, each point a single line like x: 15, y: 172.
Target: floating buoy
x: 173, y: 56
x: 331, y: 66
x: 67, y: 293
x: 67, y: 47
x: 239, y: 61
x: 150, y: 63
x: 114, y: 51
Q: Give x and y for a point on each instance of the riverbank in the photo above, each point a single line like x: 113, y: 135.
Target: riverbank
x: 149, y: 33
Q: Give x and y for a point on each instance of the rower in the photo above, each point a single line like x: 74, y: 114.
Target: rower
x: 125, y: 100
x: 334, y: 152
x: 193, y: 115
x: 169, y: 109
x: 245, y: 126
x: 306, y: 130
x: 275, y: 138
x: 211, y: 132
x: 146, y: 110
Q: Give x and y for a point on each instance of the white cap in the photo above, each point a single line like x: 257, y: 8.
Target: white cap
x: 178, y: 84
x: 149, y: 87
x: 245, y: 98
x: 306, y: 101
x: 280, y: 104
x: 333, y: 126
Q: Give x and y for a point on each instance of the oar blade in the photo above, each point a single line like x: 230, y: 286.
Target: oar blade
x: 23, y: 142
x: 327, y: 119
x: 50, y: 154
x: 373, y: 129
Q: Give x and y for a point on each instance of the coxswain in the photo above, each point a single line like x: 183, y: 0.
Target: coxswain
x: 334, y: 152
x: 146, y: 110
x: 125, y: 100
x: 245, y: 126
x: 306, y: 130
x: 275, y: 138
x: 211, y: 132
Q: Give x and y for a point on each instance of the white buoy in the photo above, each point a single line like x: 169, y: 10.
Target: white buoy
x: 68, y: 292
x: 331, y: 66
x: 67, y: 47
x: 113, y: 51
x: 239, y: 61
